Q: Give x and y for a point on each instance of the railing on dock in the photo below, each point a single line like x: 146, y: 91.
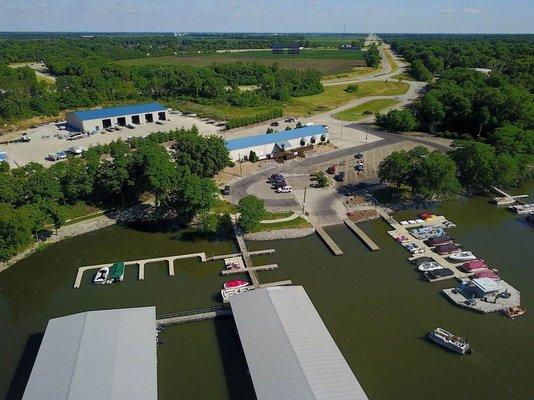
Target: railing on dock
x: 193, y: 315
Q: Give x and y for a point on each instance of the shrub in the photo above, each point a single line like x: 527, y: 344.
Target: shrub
x: 352, y: 88
x: 254, y: 119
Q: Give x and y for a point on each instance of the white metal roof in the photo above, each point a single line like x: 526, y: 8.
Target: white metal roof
x: 289, y: 351
x: 487, y: 284
x: 97, y: 355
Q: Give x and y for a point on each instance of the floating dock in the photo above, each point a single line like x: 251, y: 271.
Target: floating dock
x: 334, y: 248
x: 141, y: 263
x: 362, y: 235
x: 507, y: 199
x: 267, y: 267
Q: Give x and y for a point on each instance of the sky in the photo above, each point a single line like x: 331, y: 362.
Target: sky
x: 414, y: 16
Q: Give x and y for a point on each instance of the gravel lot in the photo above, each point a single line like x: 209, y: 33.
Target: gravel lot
x: 45, y: 140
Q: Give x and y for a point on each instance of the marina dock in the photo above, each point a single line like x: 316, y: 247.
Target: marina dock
x: 334, y: 248
x: 267, y: 267
x: 245, y: 253
x: 141, y: 263
x: 362, y: 235
x: 193, y: 315
x: 507, y: 199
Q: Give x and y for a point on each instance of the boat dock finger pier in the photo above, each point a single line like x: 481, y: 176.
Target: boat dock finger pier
x: 507, y: 199
x: 334, y: 248
x: 362, y: 235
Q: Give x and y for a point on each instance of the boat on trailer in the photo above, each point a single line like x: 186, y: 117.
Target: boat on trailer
x: 450, y: 341
x: 101, y: 276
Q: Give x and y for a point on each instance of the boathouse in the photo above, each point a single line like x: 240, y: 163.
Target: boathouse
x: 109, y: 354
x: 288, y: 349
x: 265, y: 145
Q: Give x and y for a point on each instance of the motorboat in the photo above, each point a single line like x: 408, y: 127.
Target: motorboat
x: 116, y: 272
x: 413, y: 248
x: 487, y: 273
x: 235, y: 284
x: 427, y: 232
x: 512, y: 312
x: 425, y: 215
x: 462, y: 256
x: 452, y: 342
x: 438, y: 274
x: 447, y: 249
x: 437, y: 241
x: 101, y: 276
x: 429, y: 266
x: 227, y: 293
x: 474, y: 265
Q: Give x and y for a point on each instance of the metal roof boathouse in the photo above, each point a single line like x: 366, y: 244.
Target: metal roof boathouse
x: 97, y: 355
x: 289, y: 351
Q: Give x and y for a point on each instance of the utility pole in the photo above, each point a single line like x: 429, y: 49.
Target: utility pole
x: 341, y: 128
x: 240, y: 166
x: 366, y: 132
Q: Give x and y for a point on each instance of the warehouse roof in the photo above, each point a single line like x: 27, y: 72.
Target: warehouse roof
x: 118, y: 111
x: 97, y: 355
x: 258, y: 140
x: 289, y: 351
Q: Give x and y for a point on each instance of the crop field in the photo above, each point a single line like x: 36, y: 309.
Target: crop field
x: 328, y: 62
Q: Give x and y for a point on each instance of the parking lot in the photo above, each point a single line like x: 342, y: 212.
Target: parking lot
x: 51, y: 138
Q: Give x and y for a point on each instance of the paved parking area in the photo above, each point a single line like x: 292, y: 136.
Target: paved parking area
x: 45, y: 140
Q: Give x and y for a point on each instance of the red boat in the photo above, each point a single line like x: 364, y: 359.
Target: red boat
x: 425, y: 215
x: 235, y: 284
x: 447, y: 249
x: 471, y: 266
x: 487, y: 273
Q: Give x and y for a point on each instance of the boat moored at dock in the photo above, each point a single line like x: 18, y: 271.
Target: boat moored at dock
x: 426, y: 232
x: 101, y: 276
x: 513, y: 312
x: 429, y: 266
x: 447, y: 249
x: 450, y: 341
x: 235, y: 284
x: 437, y: 241
x: 227, y: 293
x: 116, y: 273
x: 439, y: 274
x: 473, y: 265
x: 462, y: 256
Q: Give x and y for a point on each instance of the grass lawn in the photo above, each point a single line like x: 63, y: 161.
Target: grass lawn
x: 334, y: 96
x: 294, y: 223
x: 355, y: 73
x: 373, y: 106
x: 221, y: 111
x: 329, y: 54
x: 223, y: 207
x: 277, y: 215
x: 404, y: 76
x: 391, y: 60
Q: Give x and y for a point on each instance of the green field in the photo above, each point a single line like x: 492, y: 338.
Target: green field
x: 221, y: 112
x: 328, y: 62
x: 298, y: 222
x: 334, y: 96
x: 370, y: 107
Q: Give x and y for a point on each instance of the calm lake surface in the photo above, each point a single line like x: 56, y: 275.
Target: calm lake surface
x: 374, y: 304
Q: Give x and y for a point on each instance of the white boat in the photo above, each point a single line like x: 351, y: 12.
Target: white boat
x: 426, y: 232
x: 429, y: 266
x: 452, y: 342
x: 101, y: 276
x: 462, y: 256
x: 227, y: 293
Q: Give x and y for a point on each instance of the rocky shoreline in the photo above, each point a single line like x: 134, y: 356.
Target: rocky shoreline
x: 290, y: 233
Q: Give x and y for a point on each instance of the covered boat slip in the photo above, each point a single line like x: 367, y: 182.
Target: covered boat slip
x: 289, y: 351
x: 97, y: 355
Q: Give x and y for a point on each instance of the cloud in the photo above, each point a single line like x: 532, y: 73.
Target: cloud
x: 447, y: 11
x: 472, y: 11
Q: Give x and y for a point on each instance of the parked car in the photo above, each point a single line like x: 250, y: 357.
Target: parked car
x: 274, y: 177
x: 340, y: 177
x: 160, y: 122
x: 331, y: 169
x: 358, y: 156
x: 60, y: 155
x: 117, y: 128
x: 280, y: 184
x: 291, y: 119
x: 359, y: 167
x: 130, y: 126
x: 226, y: 190
x: 284, y: 189
x: 76, y: 150
x: 275, y: 123
x: 110, y: 129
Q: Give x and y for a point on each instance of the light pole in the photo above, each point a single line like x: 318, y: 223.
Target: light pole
x: 304, y: 200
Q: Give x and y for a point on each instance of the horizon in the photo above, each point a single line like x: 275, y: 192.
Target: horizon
x: 276, y: 16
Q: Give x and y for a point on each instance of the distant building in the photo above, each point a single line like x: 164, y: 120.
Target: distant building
x: 290, y: 353
x: 349, y: 47
x: 265, y: 145
x: 485, y: 71
x: 100, y: 119
x: 278, y: 48
x: 108, y: 354
x: 294, y: 48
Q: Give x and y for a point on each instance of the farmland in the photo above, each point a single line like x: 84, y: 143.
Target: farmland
x: 328, y: 62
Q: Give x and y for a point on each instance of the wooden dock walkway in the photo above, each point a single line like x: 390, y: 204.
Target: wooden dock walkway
x: 245, y: 253
x: 334, y: 248
x: 507, y: 199
x: 252, y: 253
x: 141, y: 263
x: 273, y: 284
x: 244, y: 270
x: 193, y: 315
x: 362, y: 235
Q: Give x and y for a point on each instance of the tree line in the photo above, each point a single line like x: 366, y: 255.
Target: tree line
x: 91, y: 82
x: 33, y: 198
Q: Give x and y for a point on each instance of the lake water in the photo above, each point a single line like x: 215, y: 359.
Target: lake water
x: 374, y: 304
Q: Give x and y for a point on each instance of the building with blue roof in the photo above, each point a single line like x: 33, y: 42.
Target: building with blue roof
x: 266, y: 145
x: 102, y: 118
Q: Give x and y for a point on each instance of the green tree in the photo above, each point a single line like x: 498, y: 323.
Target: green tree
x: 321, y: 179
x: 397, y: 120
x: 475, y: 162
x: 395, y: 168
x: 372, y: 56
x: 433, y: 175
x: 251, y: 212
x: 352, y: 88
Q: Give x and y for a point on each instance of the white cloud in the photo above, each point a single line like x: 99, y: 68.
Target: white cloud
x: 472, y: 11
